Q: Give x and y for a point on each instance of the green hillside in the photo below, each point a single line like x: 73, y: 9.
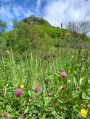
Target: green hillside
x: 40, y: 39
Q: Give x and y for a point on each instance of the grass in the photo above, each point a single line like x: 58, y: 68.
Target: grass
x: 34, y: 73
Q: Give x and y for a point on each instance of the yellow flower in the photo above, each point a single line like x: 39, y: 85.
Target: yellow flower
x: 72, y: 57
x: 53, y: 112
x: 69, y: 81
x: 83, y: 112
x: 82, y: 104
x: 22, y: 86
x: 82, y: 59
x: 67, y: 34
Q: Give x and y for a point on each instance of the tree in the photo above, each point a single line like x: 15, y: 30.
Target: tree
x: 2, y: 27
x: 79, y: 26
x: 15, y: 24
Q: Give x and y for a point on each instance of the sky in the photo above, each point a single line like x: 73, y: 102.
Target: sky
x: 54, y: 11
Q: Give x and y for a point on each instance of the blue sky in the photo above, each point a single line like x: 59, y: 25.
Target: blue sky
x: 54, y: 11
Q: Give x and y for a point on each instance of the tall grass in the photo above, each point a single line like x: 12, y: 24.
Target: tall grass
x: 33, y: 72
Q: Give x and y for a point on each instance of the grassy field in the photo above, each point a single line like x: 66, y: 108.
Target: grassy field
x: 45, y: 93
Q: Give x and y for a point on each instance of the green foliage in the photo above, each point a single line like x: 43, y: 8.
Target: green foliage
x: 36, y: 38
x: 2, y: 27
x: 15, y: 23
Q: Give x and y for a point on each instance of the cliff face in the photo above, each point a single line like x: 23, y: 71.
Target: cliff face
x: 35, y: 20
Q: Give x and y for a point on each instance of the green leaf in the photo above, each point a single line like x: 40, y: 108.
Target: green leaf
x: 81, y: 80
x: 84, y: 96
x: 20, y: 117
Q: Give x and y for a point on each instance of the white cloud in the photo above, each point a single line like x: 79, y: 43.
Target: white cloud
x: 57, y: 11
x: 10, y: 12
x: 19, y: 11
x: 5, y: 13
x: 38, y: 6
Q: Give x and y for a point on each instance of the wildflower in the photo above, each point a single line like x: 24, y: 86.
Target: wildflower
x: 64, y: 74
x: 53, y: 112
x: 50, y: 95
x: 44, y: 84
x: 72, y: 57
x: 5, y: 115
x: 63, y: 88
x: 69, y: 81
x: 56, y: 104
x: 78, y: 88
x: 41, y: 88
x: 18, y: 92
x: 82, y: 59
x: 83, y: 112
x: 82, y: 104
x: 22, y: 86
x: 36, y: 89
x: 67, y: 34
x: 42, y: 59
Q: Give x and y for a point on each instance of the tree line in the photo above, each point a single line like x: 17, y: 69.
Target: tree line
x: 82, y: 27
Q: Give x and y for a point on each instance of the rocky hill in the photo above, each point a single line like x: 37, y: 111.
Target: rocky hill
x: 35, y: 20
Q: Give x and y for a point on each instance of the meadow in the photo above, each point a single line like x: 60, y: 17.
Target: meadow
x: 56, y: 86
x: 45, y: 73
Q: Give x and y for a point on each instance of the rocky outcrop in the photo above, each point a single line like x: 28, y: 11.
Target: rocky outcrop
x: 35, y: 20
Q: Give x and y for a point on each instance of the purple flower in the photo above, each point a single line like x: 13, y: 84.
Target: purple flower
x: 5, y: 115
x: 78, y: 88
x: 42, y: 59
x: 64, y: 74
x: 56, y: 104
x: 18, y: 92
x: 36, y: 89
x: 63, y: 88
x: 41, y: 88
x: 50, y: 95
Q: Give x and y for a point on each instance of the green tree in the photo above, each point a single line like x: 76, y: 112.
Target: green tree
x: 15, y: 23
x: 2, y: 27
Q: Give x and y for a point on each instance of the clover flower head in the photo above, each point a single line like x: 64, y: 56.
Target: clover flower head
x: 42, y: 59
x: 50, y: 95
x: 64, y: 74
x: 83, y: 112
x: 5, y: 115
x: 18, y: 92
x: 55, y: 104
x: 78, y: 88
x: 63, y: 88
x: 36, y: 89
